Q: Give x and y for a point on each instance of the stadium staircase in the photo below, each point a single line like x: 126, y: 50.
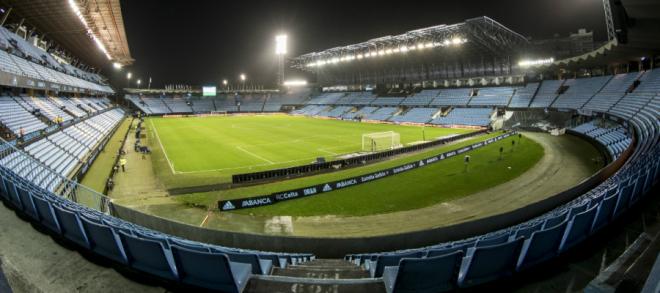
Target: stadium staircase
x: 319, y: 275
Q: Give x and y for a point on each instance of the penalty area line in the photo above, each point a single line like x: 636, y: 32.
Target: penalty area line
x: 255, y: 155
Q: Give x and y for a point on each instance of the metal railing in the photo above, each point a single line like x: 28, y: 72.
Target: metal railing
x: 24, y: 165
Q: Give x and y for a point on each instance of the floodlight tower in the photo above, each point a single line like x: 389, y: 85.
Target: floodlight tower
x: 280, y: 51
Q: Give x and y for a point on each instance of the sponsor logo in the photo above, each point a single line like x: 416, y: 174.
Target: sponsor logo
x: 451, y: 154
x: 421, y: 163
x: 256, y: 202
x: 403, y: 168
x: 349, y: 182
x: 432, y: 160
x: 373, y: 176
x: 327, y: 188
x: 465, y: 149
x: 309, y: 191
x: 228, y: 206
x: 287, y: 195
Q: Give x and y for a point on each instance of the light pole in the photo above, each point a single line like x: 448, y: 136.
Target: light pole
x: 280, y: 51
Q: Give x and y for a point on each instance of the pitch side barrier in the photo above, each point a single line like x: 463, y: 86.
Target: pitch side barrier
x: 274, y: 174
x: 257, y: 201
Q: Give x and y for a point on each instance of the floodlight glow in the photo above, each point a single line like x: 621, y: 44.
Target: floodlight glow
x: 129, y: 75
x: 404, y: 49
x: 116, y: 65
x: 360, y: 56
x: 243, y: 77
x: 538, y: 62
x: 429, y: 45
x: 77, y: 12
x: 420, y: 46
x: 295, y: 82
x: 381, y: 52
x: 224, y: 82
x: 139, y: 81
x: 456, y: 41
x: 335, y: 60
x: 280, y: 45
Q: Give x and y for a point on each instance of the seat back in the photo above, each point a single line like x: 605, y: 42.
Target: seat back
x: 103, y: 240
x: 28, y: 205
x: 490, y: 263
x: 247, y: 258
x: 70, y: 226
x: 605, y: 212
x: 431, y: 274
x: 542, y: 246
x: 392, y: 260
x: 204, y: 269
x: 527, y: 231
x: 148, y: 256
x: 46, y: 215
x: 492, y: 240
x: 578, y: 228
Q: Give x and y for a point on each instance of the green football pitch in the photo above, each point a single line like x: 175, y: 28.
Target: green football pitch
x: 240, y: 144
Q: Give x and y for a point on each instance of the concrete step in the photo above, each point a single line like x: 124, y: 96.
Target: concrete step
x: 320, y: 273
x: 270, y: 284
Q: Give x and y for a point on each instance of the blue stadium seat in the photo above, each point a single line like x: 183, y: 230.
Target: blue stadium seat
x: 27, y: 203
x: 432, y: 274
x: 578, y: 228
x: 386, y: 260
x: 489, y: 263
x: 46, y: 215
x: 528, y: 230
x: 624, y: 199
x: 542, y: 245
x: 556, y: 220
x: 71, y: 227
x: 148, y: 256
x: 604, y: 213
x: 259, y: 266
x: 210, y: 270
x: 104, y: 241
x: 275, y: 259
x: 492, y: 240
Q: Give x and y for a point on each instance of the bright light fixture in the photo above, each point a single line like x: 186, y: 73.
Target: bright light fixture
x: 538, y: 62
x: 77, y: 12
x: 129, y: 75
x: 295, y: 82
x: 242, y: 76
x: 280, y: 45
x: 116, y: 65
x: 224, y: 82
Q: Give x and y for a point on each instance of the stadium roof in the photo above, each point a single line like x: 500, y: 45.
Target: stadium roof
x: 58, y: 21
x: 642, y: 39
x: 480, y: 36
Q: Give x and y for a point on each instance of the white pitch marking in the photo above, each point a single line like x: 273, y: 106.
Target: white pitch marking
x: 162, y: 147
x: 255, y: 155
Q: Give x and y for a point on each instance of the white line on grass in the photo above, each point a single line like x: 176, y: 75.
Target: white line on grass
x: 255, y: 155
x: 162, y: 147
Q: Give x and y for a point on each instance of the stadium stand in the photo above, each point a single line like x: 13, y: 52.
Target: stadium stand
x: 615, y: 89
x: 387, y: 101
x: 202, y: 105
x: 421, y: 99
x: 416, y: 115
x: 14, y: 117
x: 381, y: 114
x: 360, y: 113
x: 523, y: 96
x: 326, y: 99
x: 465, y: 116
x: 453, y: 97
x: 177, y: 105
x: 252, y: 102
x: 547, y: 94
x: 580, y: 91
x: 615, y: 138
x: 493, y: 96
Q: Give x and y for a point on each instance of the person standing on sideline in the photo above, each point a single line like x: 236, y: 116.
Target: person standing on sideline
x: 122, y: 163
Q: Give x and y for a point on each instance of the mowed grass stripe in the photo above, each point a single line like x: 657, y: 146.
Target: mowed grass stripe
x: 206, y: 150
x: 414, y: 189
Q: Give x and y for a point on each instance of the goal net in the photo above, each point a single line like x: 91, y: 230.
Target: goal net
x: 379, y: 141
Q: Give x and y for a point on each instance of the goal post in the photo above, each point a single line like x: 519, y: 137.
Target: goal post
x: 380, y: 141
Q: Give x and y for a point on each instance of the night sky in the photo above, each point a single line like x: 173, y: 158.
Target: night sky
x: 203, y: 41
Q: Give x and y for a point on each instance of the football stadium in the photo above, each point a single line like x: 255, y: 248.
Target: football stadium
x: 308, y: 146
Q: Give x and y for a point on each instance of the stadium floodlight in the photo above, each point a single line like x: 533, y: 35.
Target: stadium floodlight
x: 116, y: 65
x: 224, y: 82
x: 242, y: 76
x: 280, y: 45
x: 456, y: 41
x: 403, y: 49
x: 129, y: 75
x: 295, y: 82
x: 538, y: 62
x: 90, y: 32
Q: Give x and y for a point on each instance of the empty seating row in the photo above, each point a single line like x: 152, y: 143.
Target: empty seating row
x: 416, y: 115
x: 465, y: 116
x: 15, y: 117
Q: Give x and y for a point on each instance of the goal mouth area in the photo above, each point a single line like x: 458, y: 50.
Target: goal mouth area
x: 380, y: 141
